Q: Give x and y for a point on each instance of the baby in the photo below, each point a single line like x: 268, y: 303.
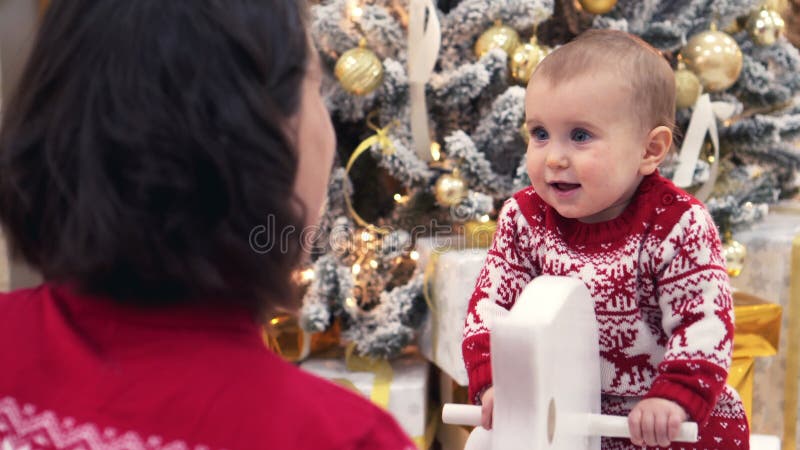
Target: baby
x: 600, y: 112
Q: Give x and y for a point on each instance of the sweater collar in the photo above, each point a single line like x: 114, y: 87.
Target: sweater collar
x: 610, y: 231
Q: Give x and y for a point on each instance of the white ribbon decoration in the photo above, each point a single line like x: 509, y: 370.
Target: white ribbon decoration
x: 704, y: 119
x: 423, y: 50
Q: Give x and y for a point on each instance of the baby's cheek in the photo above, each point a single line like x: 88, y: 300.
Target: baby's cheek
x: 533, y: 165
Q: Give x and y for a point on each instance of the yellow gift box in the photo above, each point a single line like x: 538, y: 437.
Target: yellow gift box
x: 757, y: 333
x: 479, y: 233
x: 771, y: 270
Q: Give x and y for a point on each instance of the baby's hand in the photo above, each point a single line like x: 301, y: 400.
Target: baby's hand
x: 655, y: 421
x: 487, y: 407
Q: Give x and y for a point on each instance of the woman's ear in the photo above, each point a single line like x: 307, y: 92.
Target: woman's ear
x: 657, y: 145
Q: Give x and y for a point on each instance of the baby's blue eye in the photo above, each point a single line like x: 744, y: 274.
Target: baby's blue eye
x: 580, y: 135
x: 540, y: 134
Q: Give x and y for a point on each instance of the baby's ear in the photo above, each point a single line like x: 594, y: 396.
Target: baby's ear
x: 658, y: 143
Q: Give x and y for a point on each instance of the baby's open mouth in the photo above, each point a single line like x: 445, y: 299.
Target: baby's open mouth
x: 564, y: 187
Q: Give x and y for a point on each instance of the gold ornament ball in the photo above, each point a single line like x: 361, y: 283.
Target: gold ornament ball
x: 525, y: 133
x: 715, y: 58
x: 359, y: 71
x: 765, y: 26
x: 498, y: 36
x: 524, y: 60
x: 450, y: 189
x: 597, y: 6
x: 688, y: 88
x: 734, y: 254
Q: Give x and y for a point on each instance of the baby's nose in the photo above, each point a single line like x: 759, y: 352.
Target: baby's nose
x: 557, y: 160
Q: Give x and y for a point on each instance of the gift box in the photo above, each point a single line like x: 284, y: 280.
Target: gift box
x: 283, y: 335
x: 451, y: 269
x: 757, y: 334
x: 399, y: 386
x: 771, y: 271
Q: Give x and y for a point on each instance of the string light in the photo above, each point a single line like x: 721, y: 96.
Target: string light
x: 356, y: 268
x: 436, y: 151
x: 414, y: 255
x: 484, y: 218
x: 401, y: 199
x: 373, y: 264
x: 354, y: 10
x: 307, y: 275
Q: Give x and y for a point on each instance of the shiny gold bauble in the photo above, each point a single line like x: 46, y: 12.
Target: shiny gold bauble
x: 359, y: 70
x: 688, y: 88
x: 597, y: 6
x: 715, y: 58
x: 498, y: 36
x: 525, y: 133
x: 734, y: 254
x: 450, y: 189
x: 765, y: 26
x: 524, y: 60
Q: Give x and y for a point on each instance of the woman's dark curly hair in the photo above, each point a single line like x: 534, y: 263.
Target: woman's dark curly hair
x: 148, y: 138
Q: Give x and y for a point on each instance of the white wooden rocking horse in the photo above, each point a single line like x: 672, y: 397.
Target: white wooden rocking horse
x: 546, y: 369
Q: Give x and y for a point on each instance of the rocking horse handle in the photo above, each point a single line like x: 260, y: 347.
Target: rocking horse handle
x: 455, y: 414
x: 598, y: 424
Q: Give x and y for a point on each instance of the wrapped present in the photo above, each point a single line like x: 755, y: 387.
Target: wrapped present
x: 771, y: 271
x: 758, y: 325
x: 400, y: 386
x: 451, y: 269
x: 283, y: 335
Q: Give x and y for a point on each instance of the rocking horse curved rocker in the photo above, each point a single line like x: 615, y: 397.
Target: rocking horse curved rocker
x: 550, y: 339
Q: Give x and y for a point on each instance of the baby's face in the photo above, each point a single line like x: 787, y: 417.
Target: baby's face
x: 586, y: 145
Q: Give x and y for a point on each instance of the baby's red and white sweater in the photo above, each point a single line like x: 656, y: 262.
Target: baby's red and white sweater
x: 662, y: 296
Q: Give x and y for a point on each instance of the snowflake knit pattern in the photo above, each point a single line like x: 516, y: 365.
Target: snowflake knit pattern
x: 662, y: 300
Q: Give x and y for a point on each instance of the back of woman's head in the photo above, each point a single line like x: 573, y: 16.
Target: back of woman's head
x: 148, y: 138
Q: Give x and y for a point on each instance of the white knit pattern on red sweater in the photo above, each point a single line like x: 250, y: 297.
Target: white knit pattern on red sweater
x: 662, y: 296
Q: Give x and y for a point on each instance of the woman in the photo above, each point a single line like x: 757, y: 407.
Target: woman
x: 146, y: 142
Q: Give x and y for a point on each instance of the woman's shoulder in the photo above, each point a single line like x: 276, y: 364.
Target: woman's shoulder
x: 19, y: 307
x: 204, y: 380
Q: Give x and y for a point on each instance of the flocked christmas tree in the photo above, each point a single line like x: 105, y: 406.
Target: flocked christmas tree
x: 402, y: 177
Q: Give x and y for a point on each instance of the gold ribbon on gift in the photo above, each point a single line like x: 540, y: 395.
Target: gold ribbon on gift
x: 427, y: 278
x: 758, y: 326
x: 757, y: 334
x: 479, y: 234
x: 381, y: 387
x: 270, y: 341
x: 790, y: 406
x: 284, y: 336
x: 380, y: 367
x: 382, y: 140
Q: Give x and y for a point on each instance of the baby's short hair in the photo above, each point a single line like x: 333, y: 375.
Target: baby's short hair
x: 650, y: 76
